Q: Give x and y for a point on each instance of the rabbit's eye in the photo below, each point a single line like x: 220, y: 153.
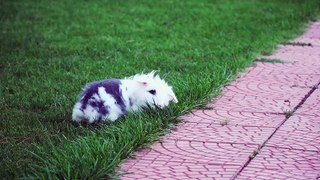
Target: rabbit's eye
x: 153, y: 92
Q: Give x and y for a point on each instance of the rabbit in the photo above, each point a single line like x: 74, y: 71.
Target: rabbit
x: 107, y: 100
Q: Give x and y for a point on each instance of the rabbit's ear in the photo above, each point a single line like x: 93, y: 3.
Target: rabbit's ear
x: 173, y: 98
x: 152, y: 73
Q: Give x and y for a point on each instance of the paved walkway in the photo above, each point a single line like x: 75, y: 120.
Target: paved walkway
x: 266, y: 125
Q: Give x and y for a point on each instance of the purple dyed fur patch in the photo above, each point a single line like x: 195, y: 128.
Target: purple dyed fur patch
x: 111, y: 86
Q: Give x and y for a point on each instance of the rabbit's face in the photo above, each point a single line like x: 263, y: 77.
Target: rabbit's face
x: 159, y: 96
x: 154, y: 91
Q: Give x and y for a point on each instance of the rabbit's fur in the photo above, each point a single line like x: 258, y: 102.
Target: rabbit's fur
x: 107, y: 100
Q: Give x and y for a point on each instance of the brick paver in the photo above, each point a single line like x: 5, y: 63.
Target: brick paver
x: 221, y: 133
x: 223, y: 117
x: 252, y: 103
x: 265, y: 125
x: 290, y: 79
x: 197, y: 152
x: 312, y: 35
x: 265, y: 89
x: 312, y: 105
x: 273, y: 69
x: 303, y: 123
x: 280, y: 160
x: 297, y: 55
x: 287, y: 137
x: 178, y: 170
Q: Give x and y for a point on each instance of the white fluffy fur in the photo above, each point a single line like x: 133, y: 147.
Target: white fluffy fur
x: 135, y: 94
x: 142, y: 83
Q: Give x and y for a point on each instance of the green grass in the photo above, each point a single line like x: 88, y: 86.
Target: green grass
x: 50, y: 49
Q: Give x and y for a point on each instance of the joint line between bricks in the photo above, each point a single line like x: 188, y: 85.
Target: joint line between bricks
x: 298, y: 149
x: 215, y: 142
x: 219, y: 123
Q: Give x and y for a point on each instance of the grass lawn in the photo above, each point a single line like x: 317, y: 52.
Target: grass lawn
x: 50, y: 49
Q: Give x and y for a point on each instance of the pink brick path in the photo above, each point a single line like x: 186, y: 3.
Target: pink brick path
x: 247, y: 134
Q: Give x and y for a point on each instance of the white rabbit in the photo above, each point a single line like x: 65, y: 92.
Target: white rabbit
x: 107, y: 100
